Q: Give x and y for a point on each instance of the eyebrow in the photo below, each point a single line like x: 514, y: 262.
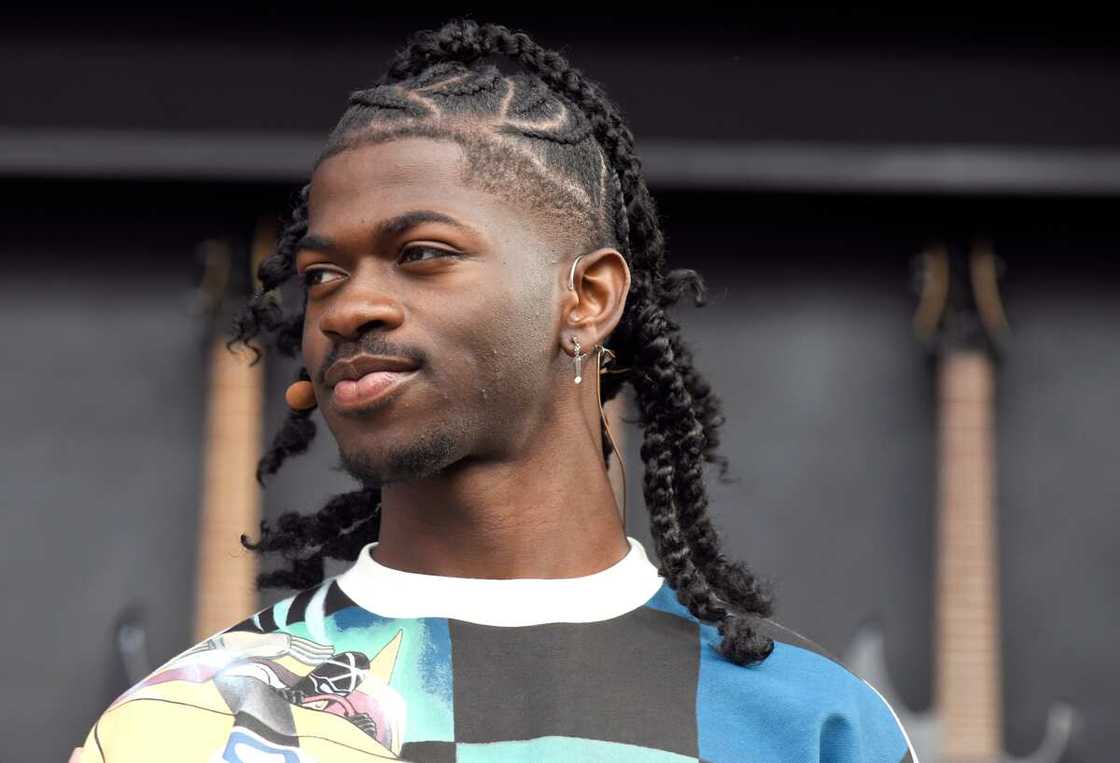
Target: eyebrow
x: 393, y: 226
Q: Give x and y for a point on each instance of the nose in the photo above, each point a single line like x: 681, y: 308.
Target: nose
x: 358, y: 307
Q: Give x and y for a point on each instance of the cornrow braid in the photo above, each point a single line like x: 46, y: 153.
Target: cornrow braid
x: 549, y: 138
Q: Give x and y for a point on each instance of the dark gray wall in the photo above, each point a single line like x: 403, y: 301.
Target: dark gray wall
x: 103, y: 387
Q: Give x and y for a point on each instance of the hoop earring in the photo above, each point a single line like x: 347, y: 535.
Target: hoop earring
x: 572, y: 273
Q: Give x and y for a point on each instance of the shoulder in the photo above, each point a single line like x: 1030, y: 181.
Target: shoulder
x: 195, y: 704
x: 856, y: 722
x: 799, y: 704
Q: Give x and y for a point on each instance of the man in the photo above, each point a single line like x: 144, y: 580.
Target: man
x: 469, y: 244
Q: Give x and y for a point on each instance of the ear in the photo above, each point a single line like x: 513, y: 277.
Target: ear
x: 597, y: 299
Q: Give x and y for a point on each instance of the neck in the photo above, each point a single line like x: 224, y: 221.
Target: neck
x: 551, y: 513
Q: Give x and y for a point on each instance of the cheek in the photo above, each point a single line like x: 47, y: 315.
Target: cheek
x: 506, y: 342
x: 307, y: 348
x: 526, y: 340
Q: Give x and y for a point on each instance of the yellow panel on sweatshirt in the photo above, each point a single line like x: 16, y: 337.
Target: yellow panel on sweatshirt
x: 148, y: 725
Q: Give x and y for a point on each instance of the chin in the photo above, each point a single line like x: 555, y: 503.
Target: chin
x: 415, y: 458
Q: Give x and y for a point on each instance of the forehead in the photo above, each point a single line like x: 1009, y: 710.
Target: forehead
x: 362, y: 185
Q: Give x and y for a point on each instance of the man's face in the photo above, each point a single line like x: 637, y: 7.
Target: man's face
x: 474, y: 305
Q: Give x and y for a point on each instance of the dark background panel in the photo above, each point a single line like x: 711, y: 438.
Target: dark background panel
x: 871, y: 76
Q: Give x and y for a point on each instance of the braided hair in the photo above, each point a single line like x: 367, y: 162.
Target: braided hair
x: 549, y: 136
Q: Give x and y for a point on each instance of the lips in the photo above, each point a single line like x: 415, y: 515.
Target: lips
x: 364, y: 383
x: 367, y: 391
x: 353, y: 369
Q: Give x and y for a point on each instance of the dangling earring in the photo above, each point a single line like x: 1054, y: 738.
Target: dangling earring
x: 578, y: 359
x: 300, y: 396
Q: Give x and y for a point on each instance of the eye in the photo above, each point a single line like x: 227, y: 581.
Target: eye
x: 406, y: 255
x: 309, y: 276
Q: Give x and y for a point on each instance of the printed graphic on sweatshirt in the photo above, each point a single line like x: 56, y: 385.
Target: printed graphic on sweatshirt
x: 292, y: 683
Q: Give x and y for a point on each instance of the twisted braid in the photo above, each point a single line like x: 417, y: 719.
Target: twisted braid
x: 665, y: 402
x: 557, y: 140
x: 339, y: 530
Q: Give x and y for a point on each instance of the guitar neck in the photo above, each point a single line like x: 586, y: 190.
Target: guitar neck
x: 967, y: 656
x: 231, y: 498
x: 231, y: 501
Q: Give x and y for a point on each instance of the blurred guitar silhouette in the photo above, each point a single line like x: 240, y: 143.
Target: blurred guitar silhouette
x: 960, y: 318
x: 225, y: 592
x: 231, y: 497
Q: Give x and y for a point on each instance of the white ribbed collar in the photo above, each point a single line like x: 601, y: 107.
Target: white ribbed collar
x: 622, y: 587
